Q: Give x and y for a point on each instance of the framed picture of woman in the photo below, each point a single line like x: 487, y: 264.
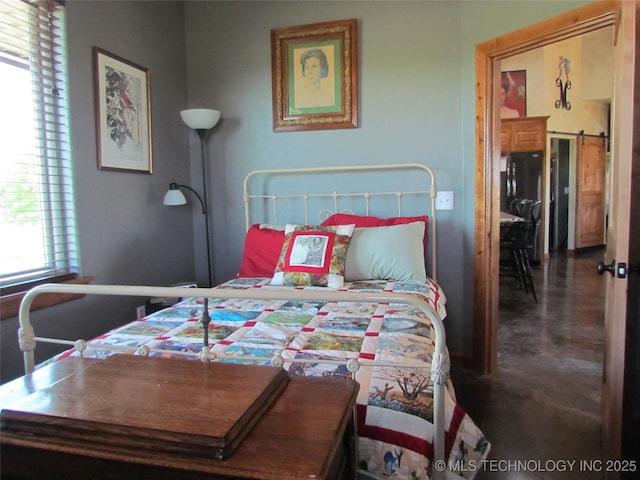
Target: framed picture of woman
x: 314, y: 76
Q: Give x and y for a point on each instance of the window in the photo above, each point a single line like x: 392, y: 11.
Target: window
x: 37, y: 218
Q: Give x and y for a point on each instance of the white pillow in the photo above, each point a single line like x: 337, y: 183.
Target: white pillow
x: 395, y: 252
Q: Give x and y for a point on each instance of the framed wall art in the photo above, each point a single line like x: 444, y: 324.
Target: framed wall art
x: 513, y: 94
x: 315, y: 76
x: 123, y: 114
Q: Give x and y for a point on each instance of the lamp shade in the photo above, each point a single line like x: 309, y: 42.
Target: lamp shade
x: 200, y: 118
x: 174, y: 197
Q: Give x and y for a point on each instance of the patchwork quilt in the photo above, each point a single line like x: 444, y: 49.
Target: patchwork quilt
x: 394, y: 406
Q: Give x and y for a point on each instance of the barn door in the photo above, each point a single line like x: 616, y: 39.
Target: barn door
x: 590, y: 191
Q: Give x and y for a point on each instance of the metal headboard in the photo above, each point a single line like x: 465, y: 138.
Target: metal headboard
x: 335, y: 195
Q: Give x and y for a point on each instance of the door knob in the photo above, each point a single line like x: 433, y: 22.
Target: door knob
x: 602, y: 267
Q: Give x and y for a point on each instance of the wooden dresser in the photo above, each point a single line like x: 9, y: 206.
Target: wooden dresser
x: 307, y: 432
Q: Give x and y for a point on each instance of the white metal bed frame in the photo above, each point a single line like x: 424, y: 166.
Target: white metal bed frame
x: 440, y: 363
x: 335, y: 196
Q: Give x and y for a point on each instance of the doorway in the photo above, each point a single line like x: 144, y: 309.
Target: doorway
x: 488, y: 72
x: 560, y: 195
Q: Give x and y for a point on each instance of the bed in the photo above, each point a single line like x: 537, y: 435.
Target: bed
x: 339, y: 291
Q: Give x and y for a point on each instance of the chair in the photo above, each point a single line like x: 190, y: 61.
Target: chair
x: 536, y: 211
x: 513, y: 206
x: 534, y: 252
x: 524, y: 207
x: 517, y: 239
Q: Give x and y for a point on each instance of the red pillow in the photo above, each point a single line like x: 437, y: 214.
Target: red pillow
x: 363, y: 221
x: 357, y: 220
x: 262, y: 247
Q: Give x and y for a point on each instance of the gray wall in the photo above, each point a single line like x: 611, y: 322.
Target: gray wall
x: 417, y: 104
x: 417, y: 74
x: 126, y: 235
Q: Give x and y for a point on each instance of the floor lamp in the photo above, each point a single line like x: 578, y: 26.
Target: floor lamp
x: 201, y: 120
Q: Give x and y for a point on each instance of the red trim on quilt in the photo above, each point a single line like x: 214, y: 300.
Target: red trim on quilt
x: 371, y: 334
x: 367, y: 356
x: 250, y: 323
x: 451, y: 433
x: 400, y: 439
x: 393, y: 437
x: 64, y: 355
x: 308, y: 329
x: 436, y: 294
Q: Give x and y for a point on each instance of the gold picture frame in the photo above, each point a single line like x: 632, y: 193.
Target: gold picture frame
x: 315, y: 76
x: 123, y: 114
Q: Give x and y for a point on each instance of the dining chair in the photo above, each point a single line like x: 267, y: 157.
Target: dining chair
x: 516, y: 241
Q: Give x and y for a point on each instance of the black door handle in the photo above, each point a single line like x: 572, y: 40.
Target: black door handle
x: 602, y: 267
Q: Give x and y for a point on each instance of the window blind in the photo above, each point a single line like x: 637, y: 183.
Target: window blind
x: 37, y: 219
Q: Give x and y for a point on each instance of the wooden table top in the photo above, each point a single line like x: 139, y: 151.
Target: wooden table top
x: 158, y: 404
x: 293, y: 439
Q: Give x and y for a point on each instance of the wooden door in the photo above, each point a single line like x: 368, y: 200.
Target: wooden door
x: 590, y: 191
x: 623, y: 164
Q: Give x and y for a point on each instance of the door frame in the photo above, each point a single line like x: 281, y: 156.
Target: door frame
x: 488, y: 56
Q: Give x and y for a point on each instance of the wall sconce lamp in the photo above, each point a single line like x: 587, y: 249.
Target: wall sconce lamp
x: 201, y: 120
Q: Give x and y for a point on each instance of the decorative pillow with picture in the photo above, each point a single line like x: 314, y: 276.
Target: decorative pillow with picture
x: 313, y: 256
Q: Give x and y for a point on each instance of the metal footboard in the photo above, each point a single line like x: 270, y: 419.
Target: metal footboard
x: 440, y: 363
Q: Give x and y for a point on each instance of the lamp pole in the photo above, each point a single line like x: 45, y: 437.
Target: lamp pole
x: 202, y: 120
x: 205, y: 202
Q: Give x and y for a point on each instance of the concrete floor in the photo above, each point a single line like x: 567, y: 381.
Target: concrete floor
x: 542, y: 406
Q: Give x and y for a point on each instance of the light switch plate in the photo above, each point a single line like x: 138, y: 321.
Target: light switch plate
x: 444, y: 200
